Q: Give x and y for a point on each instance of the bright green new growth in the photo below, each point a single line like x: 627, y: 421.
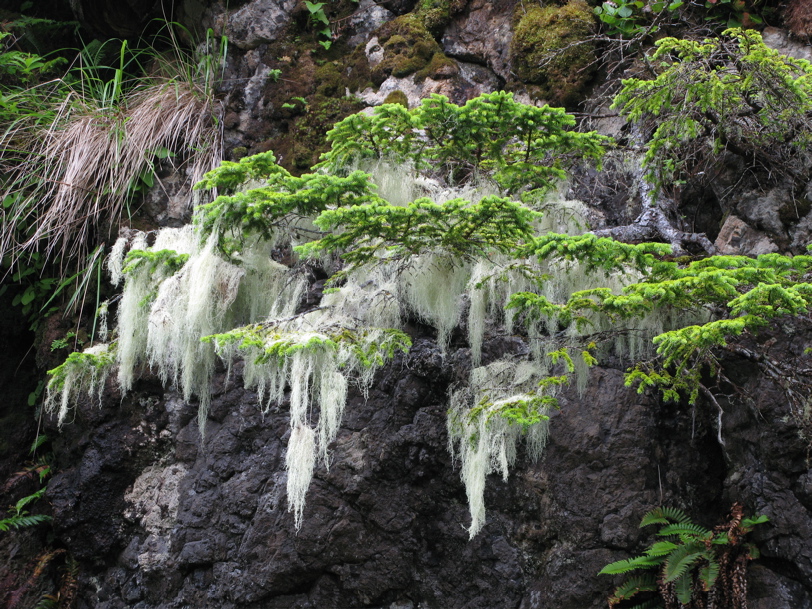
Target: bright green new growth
x: 82, y: 373
x: 691, y: 564
x: 743, y: 293
x: 417, y: 247
x: 523, y: 149
x: 732, y: 94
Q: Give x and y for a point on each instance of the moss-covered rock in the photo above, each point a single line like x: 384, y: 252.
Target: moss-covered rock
x: 300, y: 148
x: 329, y: 81
x: 439, y: 68
x: 436, y: 14
x: 549, y: 51
x: 408, y: 47
x: 397, y: 97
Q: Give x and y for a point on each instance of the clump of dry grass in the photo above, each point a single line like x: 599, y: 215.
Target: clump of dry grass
x: 76, y: 173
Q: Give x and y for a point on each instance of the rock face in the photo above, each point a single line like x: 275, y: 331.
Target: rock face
x: 161, y: 517
x: 258, y: 22
x: 482, y: 34
x: 739, y: 239
x: 116, y: 19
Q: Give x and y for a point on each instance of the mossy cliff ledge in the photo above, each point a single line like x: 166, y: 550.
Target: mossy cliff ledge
x: 549, y: 51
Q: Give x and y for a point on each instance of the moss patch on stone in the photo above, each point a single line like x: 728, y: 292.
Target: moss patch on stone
x: 436, y: 14
x: 329, y: 80
x: 408, y: 47
x: 300, y: 148
x: 549, y: 54
x: 397, y: 97
x: 439, y: 68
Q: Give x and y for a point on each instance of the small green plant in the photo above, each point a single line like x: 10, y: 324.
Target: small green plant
x: 319, y: 18
x: 19, y: 517
x: 64, y: 342
x: 627, y: 19
x: 734, y: 13
x: 690, y: 565
x: 24, y: 68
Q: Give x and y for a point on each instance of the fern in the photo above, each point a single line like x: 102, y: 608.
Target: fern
x: 688, y: 563
x: 23, y: 520
x: 664, y: 515
x: 681, y: 559
x: 661, y: 548
x: 631, y: 564
x: 709, y: 573
x: 633, y: 586
x: 685, y: 530
x: 683, y: 588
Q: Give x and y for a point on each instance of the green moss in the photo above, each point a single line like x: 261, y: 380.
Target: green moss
x: 300, y: 148
x: 329, y: 81
x: 548, y: 51
x: 436, y: 14
x: 408, y: 47
x: 397, y: 97
x: 438, y: 68
x: 357, y: 71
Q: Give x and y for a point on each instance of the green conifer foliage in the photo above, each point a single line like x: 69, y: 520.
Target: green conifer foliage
x: 524, y: 149
x: 461, y: 222
x: 732, y: 94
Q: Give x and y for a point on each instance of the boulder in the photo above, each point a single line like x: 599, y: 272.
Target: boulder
x: 482, y: 34
x: 258, y: 22
x: 737, y: 238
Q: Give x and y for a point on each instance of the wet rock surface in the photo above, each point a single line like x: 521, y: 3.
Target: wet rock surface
x: 482, y: 34
x: 161, y: 517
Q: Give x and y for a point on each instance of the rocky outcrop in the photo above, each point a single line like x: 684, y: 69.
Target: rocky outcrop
x: 739, y: 239
x: 164, y: 517
x: 160, y: 516
x: 482, y: 34
x: 258, y: 22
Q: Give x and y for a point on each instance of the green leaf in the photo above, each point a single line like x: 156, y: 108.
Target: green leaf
x: 28, y: 296
x: 630, y: 564
x: 633, y: 586
x: 681, y: 560
x: 683, y: 588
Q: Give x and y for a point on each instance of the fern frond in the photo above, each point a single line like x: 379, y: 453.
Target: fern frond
x: 29, y: 499
x: 685, y: 530
x: 709, y: 573
x: 680, y: 560
x: 664, y: 515
x: 662, y: 548
x: 633, y: 586
x: 683, y: 587
x: 630, y: 564
x: 23, y: 521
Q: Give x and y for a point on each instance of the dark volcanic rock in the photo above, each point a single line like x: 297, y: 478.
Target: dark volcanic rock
x: 162, y: 517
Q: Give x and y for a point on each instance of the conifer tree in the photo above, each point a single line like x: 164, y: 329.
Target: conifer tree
x: 472, y: 229
x: 725, y: 95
